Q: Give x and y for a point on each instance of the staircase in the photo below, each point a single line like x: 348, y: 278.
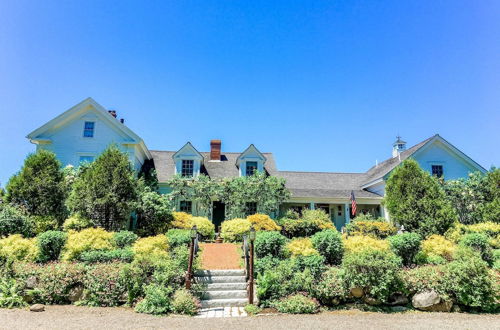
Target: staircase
x: 224, y: 288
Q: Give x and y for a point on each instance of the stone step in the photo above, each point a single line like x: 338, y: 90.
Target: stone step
x: 226, y: 286
x: 220, y: 272
x: 240, y: 302
x: 226, y: 294
x: 221, y: 279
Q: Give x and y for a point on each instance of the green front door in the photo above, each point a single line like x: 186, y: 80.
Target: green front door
x: 337, y: 216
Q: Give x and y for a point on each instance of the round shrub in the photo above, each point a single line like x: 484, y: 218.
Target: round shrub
x: 14, y: 221
x: 314, y: 263
x: 490, y: 229
x: 376, y: 229
x: 266, y: 263
x: 124, y: 238
x: 375, y: 271
x: 262, y: 222
x: 331, y: 289
x: 15, y: 247
x: 86, y: 240
x: 151, y: 247
x: 94, y: 256
x: 438, y: 246
x: 329, y: 244
x: 312, y: 221
x: 478, y: 242
x: 301, y: 247
x: 233, y: 230
x: 406, y: 245
x: 76, y: 222
x: 269, y: 243
x: 297, y: 304
x: 425, y: 278
x: 43, y: 223
x: 50, y: 245
x: 157, y: 301
x: 184, y: 303
x: 358, y: 243
x: 105, y: 285
x: 205, y: 227
x: 181, y: 220
x: 178, y: 237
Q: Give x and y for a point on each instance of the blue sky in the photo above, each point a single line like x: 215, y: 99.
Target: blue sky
x: 325, y: 85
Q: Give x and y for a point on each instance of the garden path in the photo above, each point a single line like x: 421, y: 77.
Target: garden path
x: 220, y: 256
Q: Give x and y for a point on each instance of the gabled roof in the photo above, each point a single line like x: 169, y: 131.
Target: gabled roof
x: 249, y: 150
x: 378, y: 172
x: 82, y: 107
x: 188, y: 145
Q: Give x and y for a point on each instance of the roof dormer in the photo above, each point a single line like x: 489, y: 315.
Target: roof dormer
x: 188, y: 161
x: 250, y: 161
x: 398, y: 146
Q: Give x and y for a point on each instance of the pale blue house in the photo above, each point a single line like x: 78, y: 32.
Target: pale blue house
x: 85, y: 130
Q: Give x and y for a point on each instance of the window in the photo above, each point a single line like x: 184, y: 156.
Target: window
x: 437, y: 170
x: 187, y: 168
x: 251, y: 168
x: 251, y: 208
x: 186, y: 206
x: 88, y: 129
x: 86, y: 159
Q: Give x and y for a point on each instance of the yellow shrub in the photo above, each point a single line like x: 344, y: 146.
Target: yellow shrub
x: 153, y: 246
x: 437, y: 245
x: 375, y: 229
x: 490, y: 229
x: 301, y: 247
x: 359, y: 242
x: 263, y: 222
x: 76, y: 222
x: 182, y: 220
x: 86, y: 240
x: 16, y: 247
x: 233, y: 230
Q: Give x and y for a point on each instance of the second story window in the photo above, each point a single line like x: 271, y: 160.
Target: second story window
x: 186, y: 206
x: 88, y: 129
x: 437, y: 170
x: 251, y: 168
x: 187, y: 167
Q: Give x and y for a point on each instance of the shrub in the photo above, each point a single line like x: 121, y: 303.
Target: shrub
x: 297, y: 304
x: 76, y: 222
x: 375, y: 271
x: 496, y: 259
x: 14, y: 221
x: 10, y: 294
x: 124, y: 238
x: 181, y: 220
x: 314, y: 263
x: 490, y: 229
x: 178, y: 237
x: 406, y: 245
x: 301, y: 247
x: 425, y: 278
x: 331, y: 289
x: 43, y: 223
x: 329, y: 244
x: 358, y: 243
x: 50, y: 245
x: 263, y: 222
x: 154, y: 211
x: 185, y: 303
x: 266, y: 263
x: 154, y: 246
x: 86, y: 240
x: 375, y: 229
x: 205, y: 227
x: 15, y: 247
x: 438, y: 246
x: 269, y: 243
x: 157, y: 301
x: 104, y: 285
x: 312, y: 221
x: 233, y: 230
x: 478, y: 242
x: 252, y: 309
x: 123, y: 255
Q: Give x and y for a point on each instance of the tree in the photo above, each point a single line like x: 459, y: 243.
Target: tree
x: 154, y: 212
x: 105, y: 191
x: 491, y: 208
x: 39, y: 186
x: 416, y: 200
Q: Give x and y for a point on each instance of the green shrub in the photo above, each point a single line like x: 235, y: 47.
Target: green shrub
x: 425, y: 278
x: 329, y: 244
x: 312, y: 221
x: 123, y: 255
x: 77, y: 222
x: 10, y: 294
x: 478, y: 242
x: 104, y: 285
x: 496, y: 259
x: 252, y: 309
x: 297, y: 304
x: 406, y: 245
x: 43, y: 223
x: 234, y: 230
x: 266, y: 263
x: 157, y: 301
x: 185, y: 303
x: 331, y: 289
x: 373, y: 270
x: 178, y: 237
x: 14, y: 221
x: 124, y: 238
x: 315, y: 263
x: 50, y: 245
x: 269, y: 243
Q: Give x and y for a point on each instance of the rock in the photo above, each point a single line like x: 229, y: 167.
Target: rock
x: 75, y: 293
x: 456, y: 309
x: 398, y: 309
x: 444, y: 306
x: 37, y: 308
x: 372, y: 301
x: 425, y: 299
x: 31, y: 282
x: 398, y: 299
x: 357, y: 292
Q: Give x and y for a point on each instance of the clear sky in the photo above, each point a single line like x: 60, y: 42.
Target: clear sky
x: 325, y: 85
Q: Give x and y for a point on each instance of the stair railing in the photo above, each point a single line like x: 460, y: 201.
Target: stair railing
x: 193, y: 249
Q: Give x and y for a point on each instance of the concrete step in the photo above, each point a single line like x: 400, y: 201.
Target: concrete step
x: 226, y: 286
x: 226, y: 294
x: 220, y: 272
x: 221, y: 279
x: 240, y: 302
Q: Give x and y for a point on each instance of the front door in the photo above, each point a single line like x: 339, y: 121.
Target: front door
x: 218, y: 214
x: 337, y: 216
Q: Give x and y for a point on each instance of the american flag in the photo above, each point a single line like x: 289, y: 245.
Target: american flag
x: 353, y: 204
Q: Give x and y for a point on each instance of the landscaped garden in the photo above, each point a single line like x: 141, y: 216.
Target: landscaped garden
x: 100, y: 235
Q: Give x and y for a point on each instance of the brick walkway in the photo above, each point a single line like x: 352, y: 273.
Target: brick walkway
x: 220, y: 256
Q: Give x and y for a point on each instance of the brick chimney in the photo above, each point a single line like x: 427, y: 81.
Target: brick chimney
x: 215, y: 149
x: 112, y: 113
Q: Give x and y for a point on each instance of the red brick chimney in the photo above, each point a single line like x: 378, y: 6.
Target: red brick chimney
x: 215, y: 149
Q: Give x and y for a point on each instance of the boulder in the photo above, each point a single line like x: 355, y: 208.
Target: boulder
x: 372, y: 301
x: 75, y: 293
x: 443, y: 306
x: 425, y: 299
x: 357, y: 292
x: 31, y: 282
x: 37, y: 308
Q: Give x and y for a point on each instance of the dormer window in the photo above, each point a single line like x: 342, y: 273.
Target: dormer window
x: 187, y: 168
x: 88, y: 129
x: 251, y: 168
x: 437, y: 170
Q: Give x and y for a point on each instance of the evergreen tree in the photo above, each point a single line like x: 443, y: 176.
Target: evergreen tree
x: 105, y: 191
x: 416, y: 200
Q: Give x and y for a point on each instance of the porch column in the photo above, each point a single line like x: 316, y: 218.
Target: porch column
x: 311, y: 205
x: 347, y: 213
